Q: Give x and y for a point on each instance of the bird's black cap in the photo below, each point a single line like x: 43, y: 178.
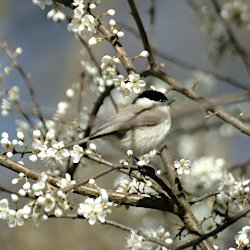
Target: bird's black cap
x: 152, y: 95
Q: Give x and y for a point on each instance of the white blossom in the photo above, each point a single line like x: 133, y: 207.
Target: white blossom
x: 13, y: 94
x: 70, y: 93
x: 47, y: 201
x: 234, y: 194
x: 15, y: 218
x: 237, y: 11
x: 40, y: 186
x: 77, y: 153
x: 206, y: 173
x: 136, y: 83
x: 136, y: 242
x: 183, y: 166
x: 4, y: 209
x: 66, y: 182
x: 62, y: 107
x: 42, y: 3
x: 160, y: 234
x: 144, y: 54
x: 77, y: 2
x: 55, y: 154
x: 243, y: 237
x: 95, y: 209
x: 111, y: 12
x: 83, y: 25
x: 56, y: 15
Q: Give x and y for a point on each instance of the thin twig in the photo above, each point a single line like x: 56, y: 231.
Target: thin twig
x: 220, y: 228
x: 119, y: 226
x: 206, y: 104
x: 187, y: 65
x: 130, y: 230
x: 203, y: 197
x: 142, y: 32
x: 27, y: 81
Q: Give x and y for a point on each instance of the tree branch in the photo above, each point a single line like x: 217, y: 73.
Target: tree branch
x: 154, y: 202
x: 142, y: 32
x: 184, y: 212
x: 217, y: 230
x: 206, y: 104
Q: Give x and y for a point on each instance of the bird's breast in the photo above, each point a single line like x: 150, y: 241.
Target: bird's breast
x: 144, y: 139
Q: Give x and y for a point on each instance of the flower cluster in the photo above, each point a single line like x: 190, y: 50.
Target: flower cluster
x: 133, y: 186
x: 137, y: 242
x: 109, y: 71
x: 96, y: 209
x: 77, y: 152
x: 206, y: 173
x: 8, y: 103
x: 11, y: 216
x: 55, y: 155
x: 234, y: 194
x: 103, y: 77
x: 82, y: 23
x: 46, y: 199
x: 56, y: 15
x: 66, y: 182
x: 132, y: 84
x: 237, y: 11
x: 42, y: 3
x: 215, y: 28
x: 11, y: 146
x: 242, y: 239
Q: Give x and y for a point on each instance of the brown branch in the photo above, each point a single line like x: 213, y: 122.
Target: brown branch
x: 184, y: 210
x: 120, y: 51
x: 187, y: 65
x: 229, y: 222
x: 206, y: 104
x: 154, y: 202
x: 142, y: 32
x: 158, y: 185
x: 85, y: 181
x: 117, y: 225
x: 130, y: 230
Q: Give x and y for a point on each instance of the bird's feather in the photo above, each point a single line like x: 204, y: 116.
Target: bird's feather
x: 130, y: 118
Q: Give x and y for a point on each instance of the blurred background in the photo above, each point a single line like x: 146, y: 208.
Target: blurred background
x: 52, y: 57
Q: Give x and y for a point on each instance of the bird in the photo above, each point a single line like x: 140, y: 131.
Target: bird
x: 142, y: 126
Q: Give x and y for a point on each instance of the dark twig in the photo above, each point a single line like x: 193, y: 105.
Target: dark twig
x: 206, y: 104
x: 142, y: 32
x: 187, y: 65
x: 229, y: 221
x: 119, y: 226
x: 203, y: 197
x: 154, y: 202
x: 130, y: 230
x: 152, y: 12
x: 184, y: 212
x: 27, y: 81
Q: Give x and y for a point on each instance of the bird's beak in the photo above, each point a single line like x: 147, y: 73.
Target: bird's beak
x: 170, y: 101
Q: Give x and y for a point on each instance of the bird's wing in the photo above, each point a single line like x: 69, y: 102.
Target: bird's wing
x: 126, y: 120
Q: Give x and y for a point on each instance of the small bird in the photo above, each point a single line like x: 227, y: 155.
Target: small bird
x: 141, y: 126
